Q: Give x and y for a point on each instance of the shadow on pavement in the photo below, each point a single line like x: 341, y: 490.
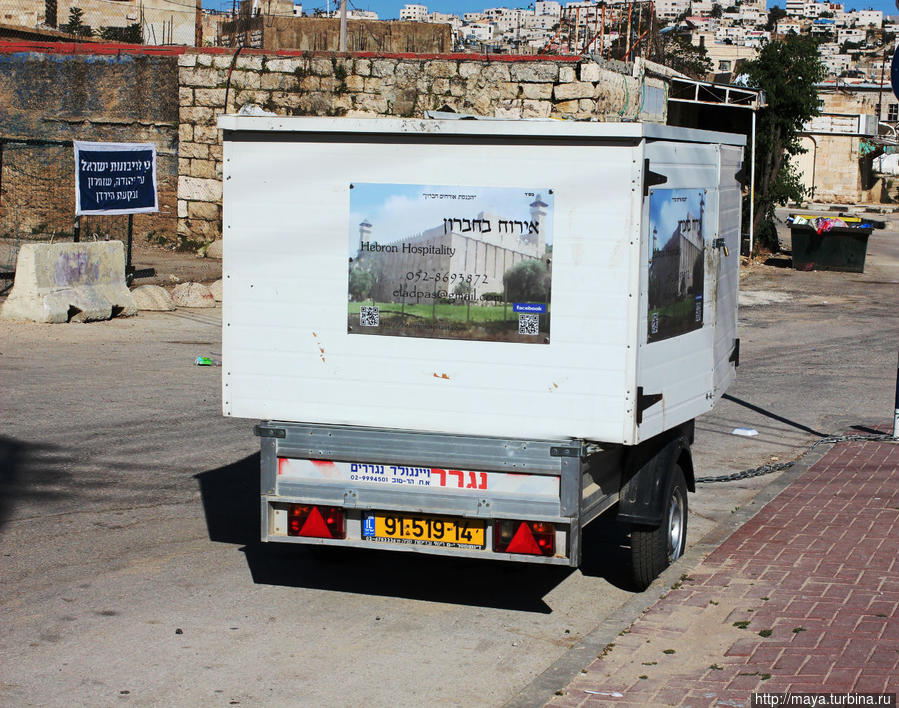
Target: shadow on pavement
x: 230, y: 497
x: 607, y: 553
x: 773, y: 416
x: 231, y: 501
x: 34, y: 474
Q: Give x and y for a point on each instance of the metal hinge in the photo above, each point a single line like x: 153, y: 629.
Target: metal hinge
x: 650, y: 178
x: 645, y: 401
x: 735, y: 353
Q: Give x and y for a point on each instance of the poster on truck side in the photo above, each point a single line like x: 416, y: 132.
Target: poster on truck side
x: 450, y: 262
x: 115, y: 178
x: 676, y: 262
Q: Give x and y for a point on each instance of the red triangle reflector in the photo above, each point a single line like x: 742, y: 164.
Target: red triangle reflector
x: 523, y: 541
x: 315, y: 525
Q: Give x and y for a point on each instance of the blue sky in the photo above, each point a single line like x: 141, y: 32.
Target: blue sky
x: 667, y: 207
x: 390, y: 9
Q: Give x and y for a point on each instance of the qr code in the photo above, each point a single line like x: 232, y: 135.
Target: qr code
x: 654, y: 323
x: 528, y: 324
x: 369, y: 316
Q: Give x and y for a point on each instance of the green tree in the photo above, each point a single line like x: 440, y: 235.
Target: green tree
x: 75, y: 25
x: 775, y: 14
x: 681, y: 55
x: 787, y: 71
x: 132, y: 34
x: 716, y: 11
x: 361, y: 283
x: 527, y: 281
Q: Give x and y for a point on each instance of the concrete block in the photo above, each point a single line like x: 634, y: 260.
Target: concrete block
x: 534, y: 71
x: 199, y: 190
x: 63, y: 282
x: 577, y: 89
x: 567, y: 74
x: 192, y: 295
x: 590, y: 71
x: 152, y: 298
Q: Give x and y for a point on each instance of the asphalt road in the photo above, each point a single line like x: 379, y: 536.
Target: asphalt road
x: 130, y: 573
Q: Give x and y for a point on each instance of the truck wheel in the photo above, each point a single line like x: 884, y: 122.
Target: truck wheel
x: 654, y: 548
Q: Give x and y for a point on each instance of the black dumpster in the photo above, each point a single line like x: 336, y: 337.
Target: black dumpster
x: 829, y: 243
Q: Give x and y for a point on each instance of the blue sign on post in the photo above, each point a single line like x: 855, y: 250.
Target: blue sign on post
x: 115, y: 178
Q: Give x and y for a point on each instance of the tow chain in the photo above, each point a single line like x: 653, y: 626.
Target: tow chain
x: 780, y: 466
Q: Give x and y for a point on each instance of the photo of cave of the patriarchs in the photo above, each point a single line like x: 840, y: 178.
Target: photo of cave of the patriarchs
x: 676, y: 262
x: 450, y: 262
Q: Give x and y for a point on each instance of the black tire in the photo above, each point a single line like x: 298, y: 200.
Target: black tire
x: 654, y: 548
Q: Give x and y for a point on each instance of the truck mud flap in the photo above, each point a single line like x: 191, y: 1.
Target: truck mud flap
x: 648, y: 473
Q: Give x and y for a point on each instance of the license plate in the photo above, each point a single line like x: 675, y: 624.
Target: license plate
x: 426, y: 530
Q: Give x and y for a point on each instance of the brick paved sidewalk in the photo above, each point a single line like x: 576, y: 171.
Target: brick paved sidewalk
x: 804, y: 597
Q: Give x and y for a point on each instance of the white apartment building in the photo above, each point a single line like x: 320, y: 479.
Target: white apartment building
x: 414, y: 13
x: 828, y: 49
x: 836, y: 63
x: 473, y: 17
x: 850, y: 35
x: 731, y: 35
x: 755, y: 38
x: 787, y: 26
x: 446, y: 18
x: 540, y: 22
x: 869, y: 18
x: 795, y: 8
x: 752, y: 16
x: 669, y: 9
x: 703, y: 7
x: 548, y: 7
x: 478, y: 32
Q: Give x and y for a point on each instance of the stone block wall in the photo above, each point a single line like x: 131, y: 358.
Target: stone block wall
x: 328, y: 84
x: 48, y: 99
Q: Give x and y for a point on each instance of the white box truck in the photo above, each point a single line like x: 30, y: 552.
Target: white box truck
x: 473, y: 337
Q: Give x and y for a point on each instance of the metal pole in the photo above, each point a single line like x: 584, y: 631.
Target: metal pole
x: 76, y: 230
x: 198, y: 24
x: 896, y: 409
x: 128, y: 266
x: 342, y: 25
x: 752, y: 189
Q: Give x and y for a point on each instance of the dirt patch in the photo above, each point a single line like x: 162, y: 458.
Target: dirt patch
x: 173, y: 267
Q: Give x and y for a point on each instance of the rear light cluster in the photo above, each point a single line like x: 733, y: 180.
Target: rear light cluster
x: 536, y: 538
x: 316, y: 521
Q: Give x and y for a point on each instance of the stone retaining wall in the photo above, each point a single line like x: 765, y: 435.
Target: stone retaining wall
x: 326, y: 84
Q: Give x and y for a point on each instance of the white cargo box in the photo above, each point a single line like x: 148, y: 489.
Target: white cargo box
x: 529, y: 279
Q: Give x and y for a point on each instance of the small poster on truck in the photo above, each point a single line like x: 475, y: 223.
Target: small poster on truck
x: 450, y: 262
x: 676, y: 262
